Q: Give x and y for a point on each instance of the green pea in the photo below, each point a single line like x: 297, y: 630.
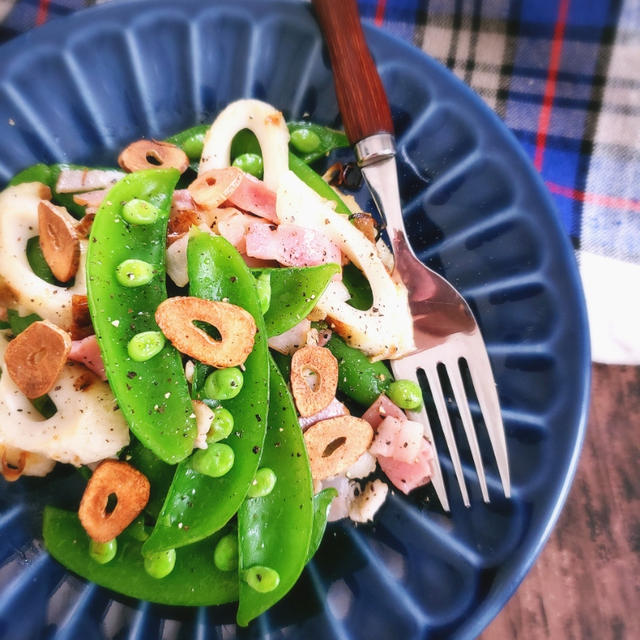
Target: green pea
x: 406, y: 394
x: 214, y: 461
x: 225, y: 555
x: 193, y: 147
x: 103, y: 552
x: 134, y: 273
x: 223, y: 384
x: 250, y: 163
x: 263, y: 282
x: 161, y: 564
x: 221, y: 425
x: 143, y: 346
x: 305, y: 140
x: 262, y: 579
x: 139, y: 212
x: 262, y: 484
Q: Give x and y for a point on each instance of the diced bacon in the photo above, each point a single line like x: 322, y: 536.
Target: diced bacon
x: 257, y: 263
x: 75, y: 180
x: 324, y: 335
x: 291, y: 245
x: 293, y: 339
x: 92, y: 199
x: 332, y: 410
x: 380, y: 409
x: 233, y: 225
x: 252, y: 195
x: 406, y: 476
x: 182, y: 199
x: 399, y: 439
x: 87, y: 352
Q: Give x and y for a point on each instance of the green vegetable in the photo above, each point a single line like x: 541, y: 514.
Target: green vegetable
x: 139, y: 211
x: 221, y: 425
x: 137, y: 530
x: 160, y: 565
x: 275, y: 530
x: 214, y: 461
x: 262, y: 484
x: 223, y: 384
x: 191, y: 141
x: 158, y: 473
x: 361, y: 380
x: 48, y: 174
x: 134, y: 273
x: 261, y: 579
x: 294, y: 293
x: 39, y: 265
x: 321, y: 506
x: 225, y: 555
x: 315, y: 181
x: 263, y: 284
x: 305, y: 140
x: 153, y: 394
x: 195, y: 581
x: 103, y: 552
x: 250, y: 163
x: 198, y: 505
x: 406, y: 394
x: 18, y: 323
x: 312, y: 141
x: 358, y: 287
x: 145, y: 345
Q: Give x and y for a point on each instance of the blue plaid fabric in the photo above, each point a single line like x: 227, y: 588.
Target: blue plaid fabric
x: 564, y: 75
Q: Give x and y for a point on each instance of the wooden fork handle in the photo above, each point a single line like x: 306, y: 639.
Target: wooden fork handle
x: 361, y: 97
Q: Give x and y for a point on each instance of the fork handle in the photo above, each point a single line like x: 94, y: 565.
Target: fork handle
x: 361, y: 97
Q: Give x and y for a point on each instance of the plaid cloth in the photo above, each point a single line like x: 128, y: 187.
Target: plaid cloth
x: 564, y: 75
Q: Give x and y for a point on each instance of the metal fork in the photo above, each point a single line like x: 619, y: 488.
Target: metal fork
x: 445, y: 331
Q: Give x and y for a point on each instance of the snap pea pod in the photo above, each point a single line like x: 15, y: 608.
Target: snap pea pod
x: 294, y: 293
x: 321, y: 504
x: 153, y: 394
x: 327, y: 140
x: 274, y: 531
x: 315, y: 181
x: 158, y: 473
x: 191, y: 140
x: 195, y: 581
x: 361, y: 380
x: 196, y: 504
x: 49, y: 174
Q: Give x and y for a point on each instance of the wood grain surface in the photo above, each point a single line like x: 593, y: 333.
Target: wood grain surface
x: 586, y: 582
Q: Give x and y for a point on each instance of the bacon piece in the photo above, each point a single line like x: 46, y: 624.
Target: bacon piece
x: 380, y: 409
x: 92, y: 199
x: 291, y: 245
x: 406, y: 476
x: 75, y: 180
x: 252, y: 195
x: 399, y: 439
x: 87, y: 352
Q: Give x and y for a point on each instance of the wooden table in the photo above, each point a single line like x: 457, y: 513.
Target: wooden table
x: 586, y: 582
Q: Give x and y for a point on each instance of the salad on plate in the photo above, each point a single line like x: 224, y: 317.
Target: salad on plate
x: 203, y: 334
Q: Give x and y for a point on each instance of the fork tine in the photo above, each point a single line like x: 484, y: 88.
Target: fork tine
x: 404, y: 370
x: 443, y: 415
x: 453, y: 370
x: 485, y: 386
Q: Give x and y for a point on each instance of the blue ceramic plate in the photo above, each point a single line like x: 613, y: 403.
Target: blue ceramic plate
x: 81, y: 88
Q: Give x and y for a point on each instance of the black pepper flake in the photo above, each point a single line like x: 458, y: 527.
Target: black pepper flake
x: 256, y: 449
x: 131, y: 374
x: 258, y: 418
